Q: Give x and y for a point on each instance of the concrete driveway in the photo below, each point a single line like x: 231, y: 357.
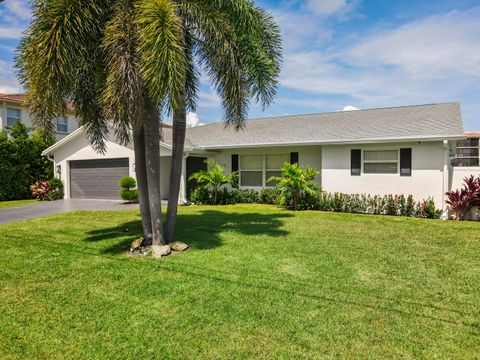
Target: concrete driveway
x: 43, y: 208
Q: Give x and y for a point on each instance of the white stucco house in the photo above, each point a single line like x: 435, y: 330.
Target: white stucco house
x: 420, y: 150
x: 13, y: 108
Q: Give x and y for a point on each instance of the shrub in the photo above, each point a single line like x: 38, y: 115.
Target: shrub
x: 41, y: 190
x: 268, y: 196
x: 295, y: 185
x: 129, y: 195
x: 463, y: 200
x: 21, y: 162
x: 213, y: 181
x: 246, y: 196
x: 127, y: 183
x: 128, y: 192
x: 56, y: 185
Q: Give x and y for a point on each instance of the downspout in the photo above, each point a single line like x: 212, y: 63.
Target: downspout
x: 182, y: 199
x: 445, y: 180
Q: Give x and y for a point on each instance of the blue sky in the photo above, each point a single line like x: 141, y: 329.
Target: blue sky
x: 338, y: 53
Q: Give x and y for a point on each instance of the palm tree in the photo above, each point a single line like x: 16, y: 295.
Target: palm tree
x: 214, y: 179
x: 294, y: 183
x: 105, y: 57
x: 240, y: 47
x: 122, y: 62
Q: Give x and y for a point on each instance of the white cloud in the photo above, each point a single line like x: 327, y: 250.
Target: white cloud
x: 350, y: 108
x: 193, y: 120
x: 437, y: 46
x: 19, y: 8
x: 11, y: 32
x: 328, y: 7
x: 433, y: 59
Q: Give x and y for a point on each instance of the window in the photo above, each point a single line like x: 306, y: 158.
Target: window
x: 467, y: 153
x: 251, y: 170
x: 255, y: 170
x: 62, y: 124
x: 13, y: 115
x: 380, y: 162
x: 274, y: 164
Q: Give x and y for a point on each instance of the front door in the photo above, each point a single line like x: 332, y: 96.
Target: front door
x: 194, y: 164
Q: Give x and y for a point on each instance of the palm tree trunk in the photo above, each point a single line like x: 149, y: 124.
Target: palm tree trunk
x: 151, y: 120
x: 141, y: 175
x: 178, y: 144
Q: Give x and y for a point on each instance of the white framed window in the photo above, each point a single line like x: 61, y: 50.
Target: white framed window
x: 380, y: 161
x: 467, y: 153
x: 62, y: 124
x: 251, y: 170
x: 13, y: 115
x: 256, y: 170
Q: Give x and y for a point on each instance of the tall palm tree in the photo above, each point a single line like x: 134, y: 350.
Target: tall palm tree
x: 239, y: 45
x: 122, y: 62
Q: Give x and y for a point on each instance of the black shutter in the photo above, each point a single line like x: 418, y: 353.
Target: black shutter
x: 294, y: 158
x: 235, y: 164
x: 355, y: 162
x: 406, y: 162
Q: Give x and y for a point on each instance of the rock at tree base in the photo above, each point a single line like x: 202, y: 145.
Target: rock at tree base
x: 160, y: 250
x: 178, y: 246
x: 136, y: 243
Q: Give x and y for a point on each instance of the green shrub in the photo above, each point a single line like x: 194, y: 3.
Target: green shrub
x: 57, y: 192
x: 128, y: 192
x: 295, y: 185
x: 21, y: 161
x: 213, y: 181
x: 268, y: 196
x: 245, y: 196
x: 127, y: 183
x: 129, y: 195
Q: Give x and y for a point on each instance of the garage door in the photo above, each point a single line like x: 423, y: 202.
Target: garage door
x: 97, y: 179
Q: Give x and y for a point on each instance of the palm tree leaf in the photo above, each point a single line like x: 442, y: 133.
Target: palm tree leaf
x: 161, y: 45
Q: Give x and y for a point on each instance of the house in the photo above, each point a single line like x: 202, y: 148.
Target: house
x: 420, y: 150
x: 13, y: 109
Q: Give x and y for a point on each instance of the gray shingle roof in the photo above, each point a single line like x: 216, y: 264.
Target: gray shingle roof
x: 431, y: 121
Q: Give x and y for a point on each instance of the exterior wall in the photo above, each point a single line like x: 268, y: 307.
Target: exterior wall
x: 427, y: 178
x: 79, y: 148
x: 25, y: 118
x: 307, y: 155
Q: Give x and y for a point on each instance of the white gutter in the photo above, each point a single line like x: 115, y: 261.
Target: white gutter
x: 336, y: 142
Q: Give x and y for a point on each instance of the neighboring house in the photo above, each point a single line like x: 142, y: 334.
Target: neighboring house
x: 408, y: 149
x: 13, y: 109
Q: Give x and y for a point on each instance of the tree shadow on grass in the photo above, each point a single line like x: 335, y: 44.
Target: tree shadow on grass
x: 201, y: 230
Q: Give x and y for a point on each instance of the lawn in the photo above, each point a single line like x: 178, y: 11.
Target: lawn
x: 258, y: 282
x: 12, y: 203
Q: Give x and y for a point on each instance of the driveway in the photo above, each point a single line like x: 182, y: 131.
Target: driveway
x: 43, y: 208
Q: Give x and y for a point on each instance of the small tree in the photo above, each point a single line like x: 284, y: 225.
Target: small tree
x: 294, y: 184
x: 213, y: 179
x: 128, y: 193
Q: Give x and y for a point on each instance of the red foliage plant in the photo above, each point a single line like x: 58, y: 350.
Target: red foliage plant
x: 40, y: 190
x: 464, y: 199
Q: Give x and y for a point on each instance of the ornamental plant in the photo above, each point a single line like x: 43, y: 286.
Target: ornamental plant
x: 128, y: 193
x: 213, y: 181
x: 41, y: 190
x: 295, y: 184
x: 463, y: 200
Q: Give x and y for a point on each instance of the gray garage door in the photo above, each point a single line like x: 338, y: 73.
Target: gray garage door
x: 97, y: 179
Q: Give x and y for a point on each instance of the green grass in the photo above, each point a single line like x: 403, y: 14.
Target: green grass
x: 12, y: 203
x: 259, y: 282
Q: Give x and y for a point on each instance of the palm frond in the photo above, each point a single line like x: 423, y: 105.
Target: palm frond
x: 161, y: 45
